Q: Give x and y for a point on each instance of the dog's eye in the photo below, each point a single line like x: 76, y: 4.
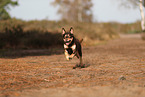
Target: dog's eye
x: 65, y: 37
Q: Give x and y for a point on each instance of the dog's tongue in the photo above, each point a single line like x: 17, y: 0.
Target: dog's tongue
x: 67, y: 43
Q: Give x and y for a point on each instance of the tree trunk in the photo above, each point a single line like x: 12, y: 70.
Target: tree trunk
x: 80, y: 19
x: 142, y: 15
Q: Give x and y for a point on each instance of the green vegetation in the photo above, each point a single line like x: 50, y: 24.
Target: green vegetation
x: 44, y: 34
x: 4, y: 6
x: 128, y: 28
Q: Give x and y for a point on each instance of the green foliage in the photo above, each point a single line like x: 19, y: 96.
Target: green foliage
x: 4, y: 6
x: 127, y: 28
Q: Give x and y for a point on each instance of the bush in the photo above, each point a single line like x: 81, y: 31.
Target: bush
x: 16, y: 33
x: 15, y: 37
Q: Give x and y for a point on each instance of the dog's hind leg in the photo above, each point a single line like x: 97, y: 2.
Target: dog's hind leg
x: 81, y: 63
x: 77, y: 65
x: 80, y: 57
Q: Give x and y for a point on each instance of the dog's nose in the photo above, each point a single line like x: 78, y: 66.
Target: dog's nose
x: 67, y: 36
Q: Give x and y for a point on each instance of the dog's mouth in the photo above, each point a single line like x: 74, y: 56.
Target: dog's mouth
x: 68, y: 42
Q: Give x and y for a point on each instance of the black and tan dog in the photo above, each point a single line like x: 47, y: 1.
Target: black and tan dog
x: 72, y: 47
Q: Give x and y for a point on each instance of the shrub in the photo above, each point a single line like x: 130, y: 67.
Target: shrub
x: 15, y: 37
x: 16, y: 33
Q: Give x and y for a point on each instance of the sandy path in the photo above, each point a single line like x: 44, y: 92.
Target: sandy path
x: 117, y: 69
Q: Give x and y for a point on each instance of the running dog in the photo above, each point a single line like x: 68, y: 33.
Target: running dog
x: 72, y: 46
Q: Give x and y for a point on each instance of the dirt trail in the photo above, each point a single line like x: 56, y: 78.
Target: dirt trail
x: 117, y: 69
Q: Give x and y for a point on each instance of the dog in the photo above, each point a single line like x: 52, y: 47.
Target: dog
x: 72, y: 46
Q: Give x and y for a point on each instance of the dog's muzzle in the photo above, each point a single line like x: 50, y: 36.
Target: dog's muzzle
x: 67, y: 41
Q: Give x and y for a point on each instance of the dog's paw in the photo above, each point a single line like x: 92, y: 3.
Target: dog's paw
x: 82, y: 65
x: 67, y: 58
x: 70, y: 58
x: 76, y: 66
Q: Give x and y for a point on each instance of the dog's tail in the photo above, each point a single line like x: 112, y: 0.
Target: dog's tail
x: 81, y: 40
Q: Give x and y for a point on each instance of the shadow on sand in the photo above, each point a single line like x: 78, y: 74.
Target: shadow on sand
x: 30, y: 52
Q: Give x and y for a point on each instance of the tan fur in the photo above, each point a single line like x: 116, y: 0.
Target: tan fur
x: 66, y: 55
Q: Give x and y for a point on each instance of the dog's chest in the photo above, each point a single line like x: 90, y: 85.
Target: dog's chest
x: 71, y: 49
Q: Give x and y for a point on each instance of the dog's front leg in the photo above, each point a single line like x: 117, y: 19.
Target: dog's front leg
x: 72, y: 55
x: 67, y: 55
x: 74, y: 51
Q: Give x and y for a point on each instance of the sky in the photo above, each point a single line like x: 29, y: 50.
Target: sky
x: 103, y: 11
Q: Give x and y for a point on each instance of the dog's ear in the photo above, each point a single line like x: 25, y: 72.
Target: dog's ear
x: 71, y: 30
x: 63, y: 31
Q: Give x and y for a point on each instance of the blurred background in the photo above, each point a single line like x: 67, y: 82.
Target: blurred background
x: 28, y: 24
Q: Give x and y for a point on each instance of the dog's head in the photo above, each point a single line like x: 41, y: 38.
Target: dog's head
x: 67, y: 36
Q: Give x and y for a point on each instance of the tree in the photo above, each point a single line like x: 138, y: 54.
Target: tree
x: 4, y: 6
x: 142, y: 15
x: 135, y: 3
x: 75, y: 10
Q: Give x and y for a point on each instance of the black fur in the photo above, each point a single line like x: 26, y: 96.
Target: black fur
x: 78, y: 46
x: 69, y: 42
x: 70, y: 51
